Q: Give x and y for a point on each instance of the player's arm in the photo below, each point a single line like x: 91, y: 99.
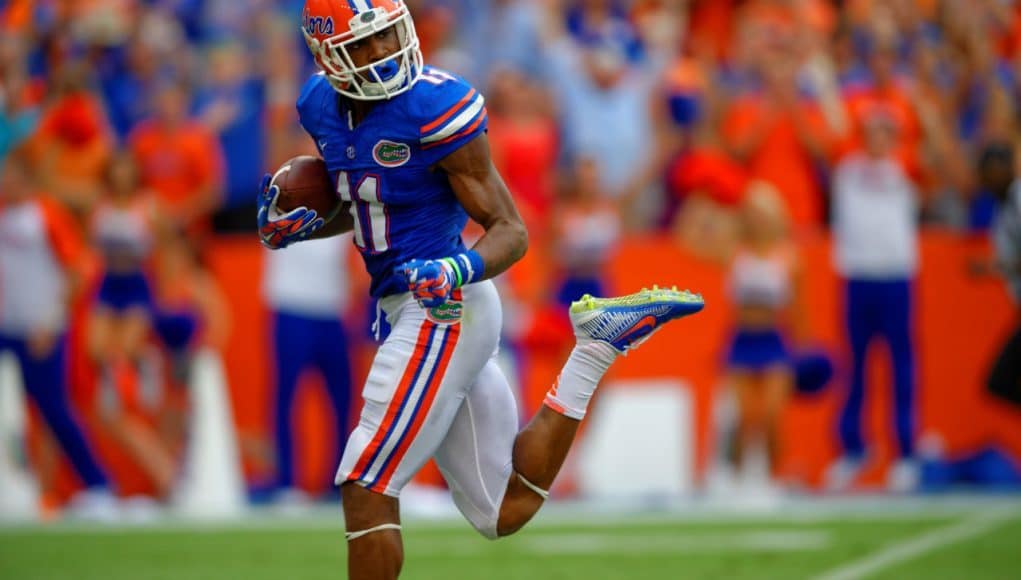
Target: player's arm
x: 480, y: 190
x: 278, y: 230
x: 482, y: 193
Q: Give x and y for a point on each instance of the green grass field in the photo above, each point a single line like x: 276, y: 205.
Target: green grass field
x: 984, y: 543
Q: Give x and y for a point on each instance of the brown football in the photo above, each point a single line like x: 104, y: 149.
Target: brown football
x: 304, y: 181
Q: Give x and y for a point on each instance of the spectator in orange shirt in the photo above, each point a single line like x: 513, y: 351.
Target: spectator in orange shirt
x: 780, y: 135
x: 711, y: 26
x: 803, y: 21
x: 523, y: 138
x: 704, y: 184
x: 74, y: 144
x: 690, y: 113
x: 180, y: 160
x: 884, y: 95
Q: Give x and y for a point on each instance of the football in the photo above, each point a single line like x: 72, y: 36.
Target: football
x: 304, y: 181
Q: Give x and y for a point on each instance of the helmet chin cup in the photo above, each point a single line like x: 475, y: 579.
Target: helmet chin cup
x: 386, y: 71
x: 388, y: 79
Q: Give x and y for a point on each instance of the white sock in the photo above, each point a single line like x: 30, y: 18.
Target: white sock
x: 579, y: 378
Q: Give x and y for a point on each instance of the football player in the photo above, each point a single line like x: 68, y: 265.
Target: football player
x: 406, y: 146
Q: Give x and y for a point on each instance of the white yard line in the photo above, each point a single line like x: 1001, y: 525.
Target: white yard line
x: 918, y: 545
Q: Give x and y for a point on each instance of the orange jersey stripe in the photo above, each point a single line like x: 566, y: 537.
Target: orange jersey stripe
x: 450, y: 113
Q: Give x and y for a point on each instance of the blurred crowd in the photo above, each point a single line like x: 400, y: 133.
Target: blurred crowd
x: 670, y: 102
x: 737, y: 127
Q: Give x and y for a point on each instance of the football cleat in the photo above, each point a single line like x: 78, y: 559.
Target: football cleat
x: 626, y: 322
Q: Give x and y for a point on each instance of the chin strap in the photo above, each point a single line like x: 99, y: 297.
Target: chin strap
x: 544, y: 494
x: 355, y: 535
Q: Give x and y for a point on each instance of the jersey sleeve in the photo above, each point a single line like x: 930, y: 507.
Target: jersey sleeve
x: 448, y: 113
x: 310, y: 104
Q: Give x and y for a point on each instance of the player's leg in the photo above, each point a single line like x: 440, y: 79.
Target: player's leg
x: 132, y: 330
x: 742, y: 360
x: 372, y: 516
x: 374, y: 547
x: 417, y: 383
x: 101, y: 334
x: 605, y: 329
x: 483, y: 455
x: 777, y: 384
x: 334, y: 362
x: 101, y: 341
x: 903, y: 475
x: 120, y: 334
x: 292, y: 347
x: 44, y: 376
x: 896, y: 327
x: 142, y: 443
x: 860, y: 329
x: 742, y: 383
x: 475, y: 456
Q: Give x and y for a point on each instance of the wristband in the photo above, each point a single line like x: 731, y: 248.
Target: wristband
x: 468, y: 267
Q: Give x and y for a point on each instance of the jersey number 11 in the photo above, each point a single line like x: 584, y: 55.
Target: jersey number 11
x: 371, y: 219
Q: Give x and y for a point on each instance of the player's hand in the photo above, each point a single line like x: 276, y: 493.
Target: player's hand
x: 278, y: 230
x: 430, y: 281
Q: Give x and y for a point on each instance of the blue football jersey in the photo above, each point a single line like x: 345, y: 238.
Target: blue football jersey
x: 403, y: 208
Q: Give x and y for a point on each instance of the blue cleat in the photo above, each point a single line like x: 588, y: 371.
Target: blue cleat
x: 628, y: 321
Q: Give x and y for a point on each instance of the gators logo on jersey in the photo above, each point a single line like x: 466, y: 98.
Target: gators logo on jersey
x: 446, y: 313
x: 390, y: 154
